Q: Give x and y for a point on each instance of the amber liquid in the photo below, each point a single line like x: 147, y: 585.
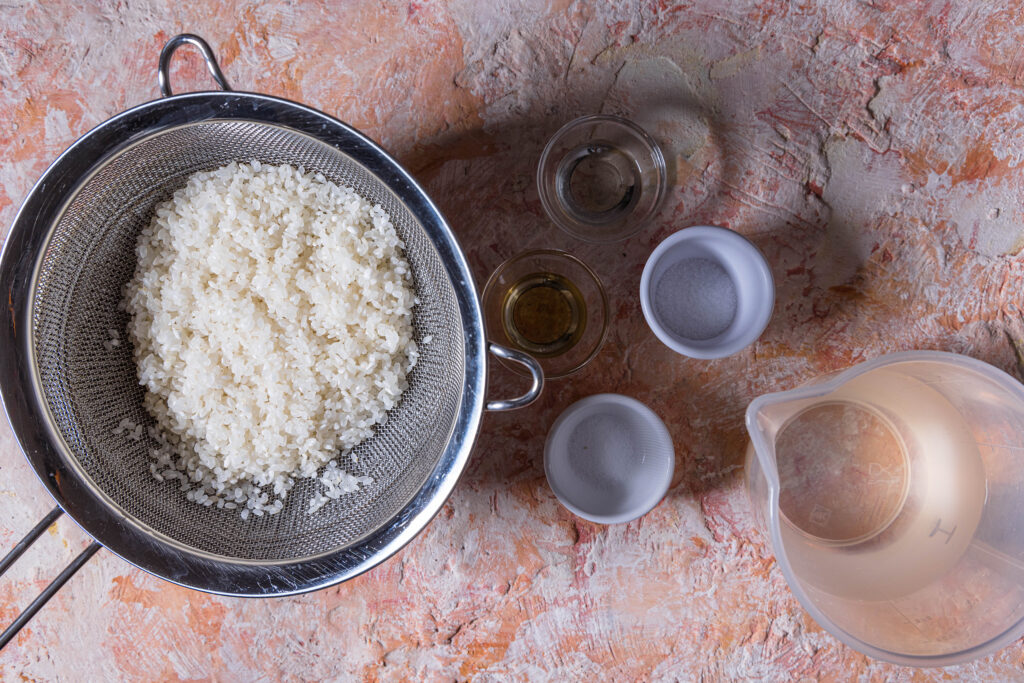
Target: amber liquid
x: 544, y: 314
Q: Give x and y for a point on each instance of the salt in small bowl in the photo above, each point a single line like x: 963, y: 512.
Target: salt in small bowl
x: 609, y: 458
x: 707, y: 292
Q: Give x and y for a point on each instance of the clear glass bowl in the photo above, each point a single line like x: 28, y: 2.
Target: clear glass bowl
x: 601, y: 178
x: 550, y: 305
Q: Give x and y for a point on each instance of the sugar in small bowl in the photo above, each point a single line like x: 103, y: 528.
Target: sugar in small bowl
x: 609, y: 458
x: 707, y: 292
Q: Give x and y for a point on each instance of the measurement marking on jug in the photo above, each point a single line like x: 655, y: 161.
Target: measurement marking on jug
x: 820, y: 514
x: 938, y: 529
x: 881, y: 474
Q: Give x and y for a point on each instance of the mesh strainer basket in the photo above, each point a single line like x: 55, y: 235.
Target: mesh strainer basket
x: 67, y: 257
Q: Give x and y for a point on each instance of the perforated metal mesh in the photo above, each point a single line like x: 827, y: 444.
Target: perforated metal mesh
x: 90, y: 389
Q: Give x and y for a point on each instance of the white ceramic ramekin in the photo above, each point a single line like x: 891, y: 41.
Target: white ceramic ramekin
x: 746, y: 267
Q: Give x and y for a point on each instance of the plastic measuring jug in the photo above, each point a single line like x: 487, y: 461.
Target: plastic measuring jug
x: 893, y: 496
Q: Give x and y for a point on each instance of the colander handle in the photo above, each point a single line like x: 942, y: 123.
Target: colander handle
x: 163, y: 72
x: 535, y: 373
x: 54, y: 586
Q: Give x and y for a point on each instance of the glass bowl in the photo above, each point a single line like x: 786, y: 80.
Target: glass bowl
x: 550, y: 305
x: 601, y: 178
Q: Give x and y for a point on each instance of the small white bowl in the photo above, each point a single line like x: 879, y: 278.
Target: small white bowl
x: 609, y: 458
x: 747, y: 269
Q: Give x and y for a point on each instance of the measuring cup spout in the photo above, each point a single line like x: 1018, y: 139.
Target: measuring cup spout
x: 765, y: 417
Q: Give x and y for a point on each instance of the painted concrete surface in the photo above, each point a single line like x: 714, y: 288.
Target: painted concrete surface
x: 870, y: 149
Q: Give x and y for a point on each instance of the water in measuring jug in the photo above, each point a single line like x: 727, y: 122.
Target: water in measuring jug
x: 881, y: 487
x: 892, y: 493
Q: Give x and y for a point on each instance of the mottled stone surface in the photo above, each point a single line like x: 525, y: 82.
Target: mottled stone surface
x: 871, y: 149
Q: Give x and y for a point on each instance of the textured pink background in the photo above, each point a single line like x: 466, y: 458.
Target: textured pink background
x: 871, y: 149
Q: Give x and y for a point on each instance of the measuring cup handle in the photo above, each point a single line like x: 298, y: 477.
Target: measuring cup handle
x: 54, y: 586
x: 536, y: 374
x: 173, y: 44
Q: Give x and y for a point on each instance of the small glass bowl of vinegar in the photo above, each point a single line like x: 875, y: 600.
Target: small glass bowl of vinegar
x: 601, y: 178
x: 550, y: 305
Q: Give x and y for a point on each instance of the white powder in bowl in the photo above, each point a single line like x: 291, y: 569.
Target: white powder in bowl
x: 271, y: 318
x: 695, y: 299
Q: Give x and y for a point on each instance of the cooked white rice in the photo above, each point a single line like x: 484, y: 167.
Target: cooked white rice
x: 271, y: 318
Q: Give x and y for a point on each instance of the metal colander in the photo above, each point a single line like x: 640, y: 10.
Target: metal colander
x: 89, y: 389
x: 65, y: 263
